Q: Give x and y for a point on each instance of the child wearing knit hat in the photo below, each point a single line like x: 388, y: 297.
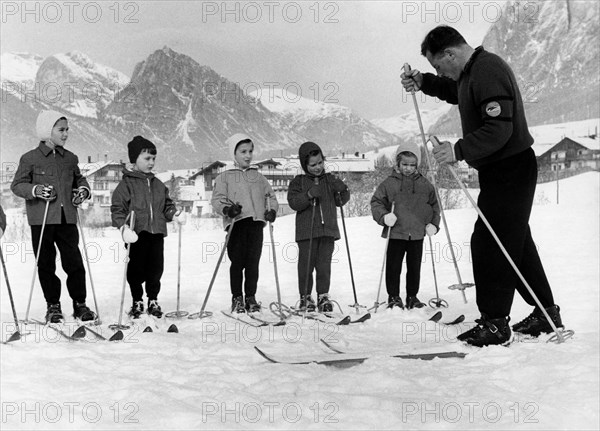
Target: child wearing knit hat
x: 140, y: 192
x: 416, y: 214
x: 49, y: 180
x: 240, y: 196
x: 315, y: 196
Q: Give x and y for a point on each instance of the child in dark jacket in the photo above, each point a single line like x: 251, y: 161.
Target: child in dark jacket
x: 315, y: 196
x: 416, y: 213
x: 141, y: 192
x: 49, y: 180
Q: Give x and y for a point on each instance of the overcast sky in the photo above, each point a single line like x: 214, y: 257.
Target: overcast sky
x: 351, y: 52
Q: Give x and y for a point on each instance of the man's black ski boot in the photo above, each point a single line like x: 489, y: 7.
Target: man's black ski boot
x: 413, y: 302
x: 487, y: 332
x: 324, y: 304
x: 251, y: 304
x: 237, y: 305
x: 395, y: 301
x: 536, y: 323
x: 137, y: 308
x: 154, y: 308
x: 83, y: 312
x: 307, y: 303
x: 54, y: 313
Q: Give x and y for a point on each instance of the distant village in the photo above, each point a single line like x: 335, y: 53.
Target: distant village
x: 192, y: 188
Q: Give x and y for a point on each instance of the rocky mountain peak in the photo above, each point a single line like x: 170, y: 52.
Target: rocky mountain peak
x: 553, y: 48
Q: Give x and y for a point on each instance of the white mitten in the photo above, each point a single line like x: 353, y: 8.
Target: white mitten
x: 390, y: 219
x: 129, y: 236
x: 430, y: 229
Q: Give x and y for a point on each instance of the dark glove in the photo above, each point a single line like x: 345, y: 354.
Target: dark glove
x: 338, y: 186
x: 270, y: 215
x: 338, y: 199
x: 79, y: 195
x: 45, y: 192
x: 316, y: 191
x: 233, y: 210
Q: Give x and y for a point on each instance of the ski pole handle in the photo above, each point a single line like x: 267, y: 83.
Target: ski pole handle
x: 268, y: 199
x: 407, y: 69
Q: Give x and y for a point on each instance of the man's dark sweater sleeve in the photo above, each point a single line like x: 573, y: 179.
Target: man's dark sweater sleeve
x: 443, y: 88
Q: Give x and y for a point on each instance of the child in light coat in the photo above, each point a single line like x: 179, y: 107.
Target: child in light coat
x: 240, y: 195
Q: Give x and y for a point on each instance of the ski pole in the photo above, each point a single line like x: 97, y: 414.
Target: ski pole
x: 460, y: 285
x: 16, y: 335
x: 98, y: 321
x: 308, y: 265
x: 435, y: 302
x: 280, y: 312
x: 202, y: 314
x: 178, y: 314
x: 356, y: 305
x: 37, y: 258
x: 118, y: 326
x: 387, y: 243
x: 559, y: 335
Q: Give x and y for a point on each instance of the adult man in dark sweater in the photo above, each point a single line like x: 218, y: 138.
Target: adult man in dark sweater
x: 496, y: 142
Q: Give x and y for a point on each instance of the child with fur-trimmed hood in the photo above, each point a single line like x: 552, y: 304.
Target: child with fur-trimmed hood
x: 245, y: 199
x: 416, y: 214
x: 315, y: 195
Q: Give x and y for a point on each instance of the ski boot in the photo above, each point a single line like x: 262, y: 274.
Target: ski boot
x: 154, y: 308
x: 487, y: 332
x: 413, y: 302
x: 237, y: 305
x: 536, y: 323
x: 324, y: 304
x: 251, y: 304
x: 307, y: 304
x: 82, y: 312
x: 54, y: 313
x: 137, y: 308
x: 395, y: 301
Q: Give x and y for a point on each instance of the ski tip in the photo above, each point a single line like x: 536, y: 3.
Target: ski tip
x: 362, y: 318
x: 458, y: 320
x: 14, y: 337
x: 79, y: 332
x: 345, y: 321
x: 436, y: 317
x: 117, y: 336
x: 173, y: 328
x: 264, y: 355
x: 147, y: 329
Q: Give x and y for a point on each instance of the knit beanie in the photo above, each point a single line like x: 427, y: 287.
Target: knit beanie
x: 410, y: 147
x: 137, y: 145
x: 45, y: 123
x: 233, y: 141
x: 304, y: 153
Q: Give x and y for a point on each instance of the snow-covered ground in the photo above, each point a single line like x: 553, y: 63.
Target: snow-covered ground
x: 208, y: 375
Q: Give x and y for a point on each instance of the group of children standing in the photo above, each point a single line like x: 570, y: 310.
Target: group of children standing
x: 50, y: 181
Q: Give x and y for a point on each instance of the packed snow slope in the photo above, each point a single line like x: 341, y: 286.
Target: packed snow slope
x: 209, y: 377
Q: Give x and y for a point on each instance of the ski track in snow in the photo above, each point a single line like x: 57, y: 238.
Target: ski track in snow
x: 208, y: 375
